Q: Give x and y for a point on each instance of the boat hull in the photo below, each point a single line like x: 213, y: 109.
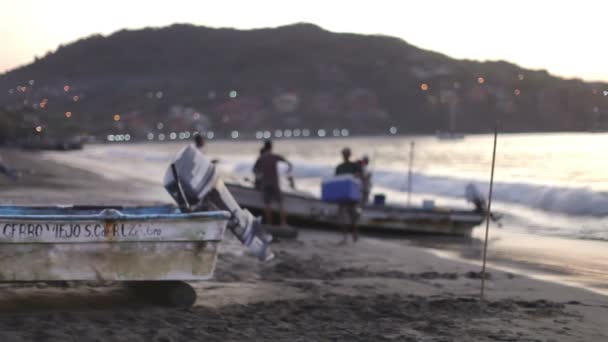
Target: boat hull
x: 124, y: 244
x: 309, y: 211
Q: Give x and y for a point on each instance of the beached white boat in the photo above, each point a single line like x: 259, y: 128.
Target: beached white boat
x: 104, y: 243
x: 154, y: 248
x: 303, y: 208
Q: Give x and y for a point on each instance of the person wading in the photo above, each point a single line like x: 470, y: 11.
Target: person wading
x: 266, y: 169
x: 347, y: 211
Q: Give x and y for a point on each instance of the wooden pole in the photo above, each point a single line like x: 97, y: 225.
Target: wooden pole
x: 488, y: 214
x: 409, y: 173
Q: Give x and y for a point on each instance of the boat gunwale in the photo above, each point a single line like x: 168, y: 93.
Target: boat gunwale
x: 114, y: 215
x: 381, y: 208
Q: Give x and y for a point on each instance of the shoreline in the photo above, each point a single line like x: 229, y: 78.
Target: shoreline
x: 503, y: 254
x: 314, y: 290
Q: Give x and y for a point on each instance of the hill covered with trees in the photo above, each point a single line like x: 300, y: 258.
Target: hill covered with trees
x: 185, y: 78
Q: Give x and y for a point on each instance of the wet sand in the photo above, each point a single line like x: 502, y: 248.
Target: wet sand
x: 377, y: 289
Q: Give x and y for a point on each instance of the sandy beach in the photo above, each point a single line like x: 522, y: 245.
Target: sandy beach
x: 377, y: 289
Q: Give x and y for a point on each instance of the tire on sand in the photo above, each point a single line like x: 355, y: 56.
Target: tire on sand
x: 177, y: 294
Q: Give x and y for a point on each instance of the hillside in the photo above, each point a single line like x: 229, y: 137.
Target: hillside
x: 299, y: 76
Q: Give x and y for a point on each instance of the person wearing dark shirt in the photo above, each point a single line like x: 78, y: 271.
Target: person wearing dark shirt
x: 265, y: 169
x: 257, y: 182
x: 347, y: 211
x: 199, y: 141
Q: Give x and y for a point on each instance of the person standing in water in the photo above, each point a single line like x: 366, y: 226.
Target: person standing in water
x: 266, y: 169
x: 347, y: 211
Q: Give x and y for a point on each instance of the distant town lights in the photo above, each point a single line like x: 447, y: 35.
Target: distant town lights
x: 118, y: 137
x: 116, y: 117
x: 424, y: 87
x: 38, y: 129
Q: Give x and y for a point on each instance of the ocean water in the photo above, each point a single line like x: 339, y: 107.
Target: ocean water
x: 554, y: 184
x: 552, y: 189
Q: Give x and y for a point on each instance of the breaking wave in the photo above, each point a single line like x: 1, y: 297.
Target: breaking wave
x: 569, y: 201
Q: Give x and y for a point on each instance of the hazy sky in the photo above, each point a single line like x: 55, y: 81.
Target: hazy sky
x: 568, y: 38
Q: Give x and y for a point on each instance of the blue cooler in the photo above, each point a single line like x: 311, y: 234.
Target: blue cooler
x: 343, y: 188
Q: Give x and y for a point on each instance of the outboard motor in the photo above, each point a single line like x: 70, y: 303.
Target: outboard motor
x: 193, y: 182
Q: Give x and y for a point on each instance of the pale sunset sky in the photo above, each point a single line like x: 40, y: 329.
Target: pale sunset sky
x: 568, y: 38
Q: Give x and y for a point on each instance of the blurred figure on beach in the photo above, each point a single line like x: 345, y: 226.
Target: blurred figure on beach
x: 257, y: 182
x: 366, y: 179
x: 347, y: 211
x: 473, y: 195
x: 8, y: 171
x: 266, y: 168
x: 199, y: 141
